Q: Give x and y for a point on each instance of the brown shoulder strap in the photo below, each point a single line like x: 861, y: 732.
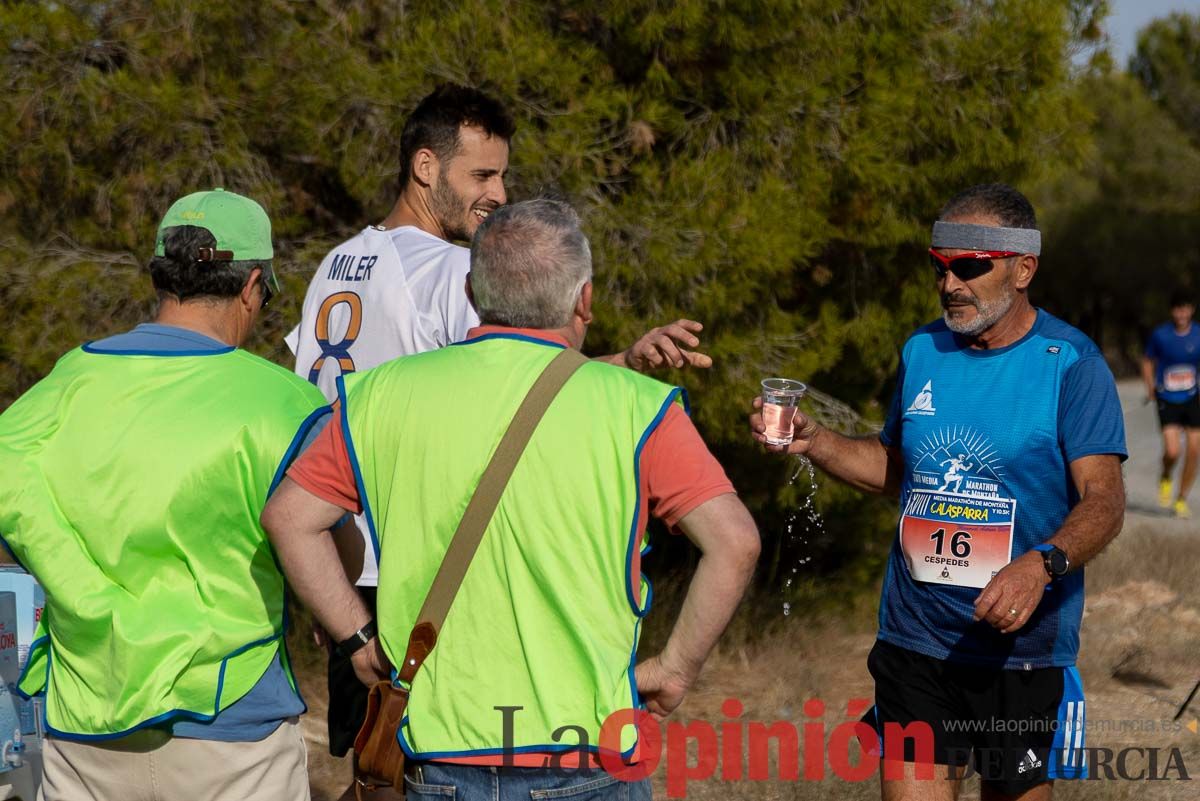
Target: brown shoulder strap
x: 482, y: 506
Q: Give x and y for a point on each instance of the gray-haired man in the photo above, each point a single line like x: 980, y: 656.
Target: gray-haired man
x: 979, y: 618
x: 535, y: 653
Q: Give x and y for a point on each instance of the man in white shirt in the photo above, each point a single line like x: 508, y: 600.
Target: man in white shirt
x: 399, y: 288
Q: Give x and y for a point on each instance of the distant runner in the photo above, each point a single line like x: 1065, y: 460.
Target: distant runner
x: 1169, y: 369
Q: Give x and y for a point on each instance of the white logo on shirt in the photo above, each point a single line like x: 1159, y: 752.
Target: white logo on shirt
x: 923, y: 403
x: 958, y: 460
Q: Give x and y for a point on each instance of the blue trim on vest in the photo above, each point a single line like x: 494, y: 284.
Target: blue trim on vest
x: 517, y: 337
x: 354, y: 468
x: 290, y: 454
x: 170, y: 715
x: 25, y: 670
x: 88, y: 348
x: 634, y: 695
x: 286, y: 656
x: 284, y: 463
x: 637, y: 505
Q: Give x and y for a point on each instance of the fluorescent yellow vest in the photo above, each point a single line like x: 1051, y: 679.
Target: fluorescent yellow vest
x: 547, y: 616
x: 132, y: 490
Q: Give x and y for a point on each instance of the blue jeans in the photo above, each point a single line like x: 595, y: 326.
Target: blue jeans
x: 440, y: 781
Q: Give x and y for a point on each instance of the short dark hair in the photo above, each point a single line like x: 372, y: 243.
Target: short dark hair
x: 1181, y: 297
x: 178, y: 272
x: 1007, y: 204
x: 435, y: 123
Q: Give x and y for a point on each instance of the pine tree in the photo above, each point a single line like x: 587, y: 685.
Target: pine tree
x: 769, y: 167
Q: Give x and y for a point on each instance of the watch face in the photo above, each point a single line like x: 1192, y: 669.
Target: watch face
x: 1058, y: 562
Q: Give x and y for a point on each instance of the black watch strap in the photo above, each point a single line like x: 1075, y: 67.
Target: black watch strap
x: 1056, y: 562
x: 356, y: 640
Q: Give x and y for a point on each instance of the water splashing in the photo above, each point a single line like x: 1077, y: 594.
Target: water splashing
x: 802, y: 522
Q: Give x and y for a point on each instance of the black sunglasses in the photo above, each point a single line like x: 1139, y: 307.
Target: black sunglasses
x: 267, y: 294
x: 967, y: 266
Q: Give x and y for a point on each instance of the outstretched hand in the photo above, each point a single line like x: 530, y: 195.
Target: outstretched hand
x: 667, y: 346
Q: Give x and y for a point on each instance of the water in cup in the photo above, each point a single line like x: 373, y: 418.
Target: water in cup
x: 780, y: 397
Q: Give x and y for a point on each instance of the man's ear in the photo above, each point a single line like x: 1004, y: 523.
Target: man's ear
x: 1027, y: 267
x: 471, y: 295
x: 425, y: 167
x: 247, y: 293
x: 583, y: 306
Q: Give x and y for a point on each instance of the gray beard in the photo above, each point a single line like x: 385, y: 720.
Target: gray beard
x: 987, y: 314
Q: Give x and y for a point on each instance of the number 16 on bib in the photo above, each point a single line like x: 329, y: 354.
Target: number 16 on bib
x: 955, y: 539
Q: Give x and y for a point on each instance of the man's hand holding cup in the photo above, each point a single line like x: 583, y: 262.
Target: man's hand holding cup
x: 776, y: 420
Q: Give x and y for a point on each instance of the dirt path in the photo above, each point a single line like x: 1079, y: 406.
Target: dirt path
x: 1141, y: 637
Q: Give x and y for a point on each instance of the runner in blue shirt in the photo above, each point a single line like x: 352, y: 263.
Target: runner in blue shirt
x: 1169, y: 369
x: 1004, y: 443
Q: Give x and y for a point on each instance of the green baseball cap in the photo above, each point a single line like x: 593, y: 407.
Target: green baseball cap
x: 241, y: 227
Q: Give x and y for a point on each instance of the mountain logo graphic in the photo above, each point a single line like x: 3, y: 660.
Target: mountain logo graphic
x: 958, y: 459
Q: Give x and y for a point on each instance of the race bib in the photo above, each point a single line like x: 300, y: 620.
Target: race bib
x: 962, y: 540
x: 1179, y: 378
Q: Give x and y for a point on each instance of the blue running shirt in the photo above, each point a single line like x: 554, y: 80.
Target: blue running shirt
x: 987, y: 438
x: 1175, y: 358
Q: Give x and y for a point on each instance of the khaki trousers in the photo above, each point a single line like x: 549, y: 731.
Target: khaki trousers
x: 152, y: 766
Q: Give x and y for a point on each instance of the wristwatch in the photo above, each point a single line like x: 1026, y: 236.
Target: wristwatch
x: 356, y: 640
x: 1055, y: 560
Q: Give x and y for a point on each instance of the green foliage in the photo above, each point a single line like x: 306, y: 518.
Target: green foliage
x: 769, y: 167
x: 1121, y: 229
x: 1167, y: 63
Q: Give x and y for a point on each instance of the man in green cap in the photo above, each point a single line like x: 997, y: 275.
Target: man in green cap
x: 134, y: 475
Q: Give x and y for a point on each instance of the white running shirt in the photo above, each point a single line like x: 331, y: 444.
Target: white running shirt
x: 377, y: 296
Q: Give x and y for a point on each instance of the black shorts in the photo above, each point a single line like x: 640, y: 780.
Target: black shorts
x: 347, y: 695
x: 1014, y: 728
x: 1186, y: 414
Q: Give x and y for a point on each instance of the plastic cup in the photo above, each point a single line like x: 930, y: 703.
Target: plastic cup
x: 780, y: 396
